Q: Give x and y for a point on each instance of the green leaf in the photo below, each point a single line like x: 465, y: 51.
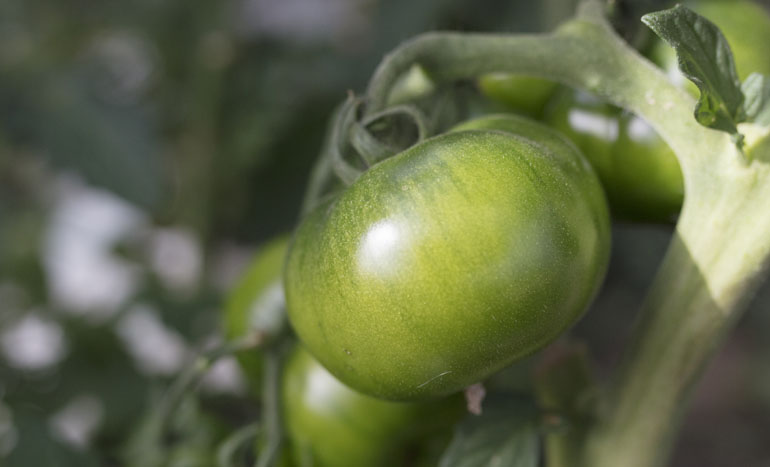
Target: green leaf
x: 756, y: 88
x: 705, y: 59
x: 505, y: 434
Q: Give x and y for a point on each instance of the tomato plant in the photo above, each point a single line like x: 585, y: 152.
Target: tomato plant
x: 434, y: 252
x: 407, y: 285
x: 437, y: 261
x: 330, y: 424
x: 447, y: 262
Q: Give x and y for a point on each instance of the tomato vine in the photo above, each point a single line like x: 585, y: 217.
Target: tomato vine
x: 721, y: 248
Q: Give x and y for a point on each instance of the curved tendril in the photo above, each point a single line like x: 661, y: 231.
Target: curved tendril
x: 411, y: 111
x: 272, y: 418
x: 370, y: 148
x: 230, y: 447
x: 347, y: 116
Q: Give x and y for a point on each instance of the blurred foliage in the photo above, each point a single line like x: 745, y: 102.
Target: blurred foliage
x: 203, y: 119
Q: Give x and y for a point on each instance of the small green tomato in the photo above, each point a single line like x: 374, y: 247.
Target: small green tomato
x: 258, y: 290
x: 523, y: 94
x: 331, y: 425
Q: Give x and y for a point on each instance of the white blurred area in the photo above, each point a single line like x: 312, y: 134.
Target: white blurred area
x: 161, y: 351
x: 33, y: 343
x: 77, y: 421
x: 225, y: 376
x: 87, y: 279
x: 305, y: 20
x: 156, y: 349
x: 83, y: 274
x: 176, y: 258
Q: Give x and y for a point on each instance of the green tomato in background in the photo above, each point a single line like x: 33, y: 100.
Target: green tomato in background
x: 745, y: 25
x: 331, y: 425
x: 259, y: 288
x: 638, y: 170
x: 449, y: 261
x: 523, y: 94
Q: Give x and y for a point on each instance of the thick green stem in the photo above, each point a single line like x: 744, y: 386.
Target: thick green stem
x: 716, y: 261
x: 583, y: 54
x: 714, y: 264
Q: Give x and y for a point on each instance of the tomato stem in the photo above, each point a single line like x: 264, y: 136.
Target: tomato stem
x: 155, y: 427
x: 565, y: 388
x: 230, y: 447
x: 583, y: 53
x: 714, y: 264
x: 271, y: 404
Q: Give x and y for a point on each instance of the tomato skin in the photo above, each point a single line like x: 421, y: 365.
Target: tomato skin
x: 639, y: 172
x: 523, y: 94
x: 334, y: 426
x: 260, y: 281
x: 581, y: 170
x: 446, y: 263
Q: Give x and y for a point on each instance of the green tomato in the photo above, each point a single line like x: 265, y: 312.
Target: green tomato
x: 331, y: 425
x: 520, y: 93
x: 260, y: 283
x: 449, y: 261
x: 639, y: 172
x: 745, y: 25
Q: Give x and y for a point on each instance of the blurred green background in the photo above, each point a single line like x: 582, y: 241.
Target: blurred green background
x: 147, y: 150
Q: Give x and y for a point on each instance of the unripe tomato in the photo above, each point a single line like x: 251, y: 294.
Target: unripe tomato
x: 449, y: 261
x: 523, y: 94
x: 331, y: 425
x: 260, y: 283
x: 638, y: 170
